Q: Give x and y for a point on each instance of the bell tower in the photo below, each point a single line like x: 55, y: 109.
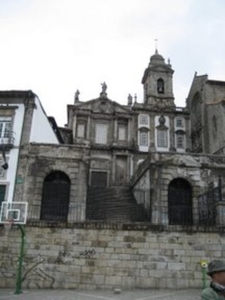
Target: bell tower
x: 158, y: 83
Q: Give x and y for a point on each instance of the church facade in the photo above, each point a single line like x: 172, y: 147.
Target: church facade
x: 147, y: 162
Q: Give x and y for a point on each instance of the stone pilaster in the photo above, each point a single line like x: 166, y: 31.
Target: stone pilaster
x: 172, y: 135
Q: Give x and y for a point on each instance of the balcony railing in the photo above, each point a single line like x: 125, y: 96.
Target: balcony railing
x: 8, y: 139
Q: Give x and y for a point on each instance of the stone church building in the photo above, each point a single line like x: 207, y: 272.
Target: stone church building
x: 147, y: 162
x: 125, y: 181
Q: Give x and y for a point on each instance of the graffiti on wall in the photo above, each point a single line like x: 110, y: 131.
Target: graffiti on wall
x: 32, y: 271
x: 65, y: 257
x: 36, y: 271
x: 88, y: 253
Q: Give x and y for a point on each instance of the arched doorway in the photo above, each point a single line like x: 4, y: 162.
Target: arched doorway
x: 179, y: 202
x: 55, y: 197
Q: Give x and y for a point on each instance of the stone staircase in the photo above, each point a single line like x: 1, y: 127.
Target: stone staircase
x: 113, y: 204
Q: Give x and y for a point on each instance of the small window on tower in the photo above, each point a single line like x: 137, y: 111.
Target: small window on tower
x: 179, y: 122
x: 160, y: 86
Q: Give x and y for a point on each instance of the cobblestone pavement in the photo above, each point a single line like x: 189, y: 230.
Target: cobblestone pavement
x: 102, y: 295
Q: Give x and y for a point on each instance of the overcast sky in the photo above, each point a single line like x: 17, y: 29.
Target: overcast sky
x: 55, y: 47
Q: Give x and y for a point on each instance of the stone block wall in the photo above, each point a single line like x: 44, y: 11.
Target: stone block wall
x: 101, y: 256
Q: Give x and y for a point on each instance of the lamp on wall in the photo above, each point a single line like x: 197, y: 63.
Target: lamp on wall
x: 5, y: 166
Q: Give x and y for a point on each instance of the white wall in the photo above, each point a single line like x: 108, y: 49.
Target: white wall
x: 41, y: 130
x: 12, y: 156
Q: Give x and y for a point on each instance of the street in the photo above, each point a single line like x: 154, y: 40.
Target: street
x: 188, y: 294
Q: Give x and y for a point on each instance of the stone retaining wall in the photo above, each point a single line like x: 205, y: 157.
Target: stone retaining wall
x: 107, y: 258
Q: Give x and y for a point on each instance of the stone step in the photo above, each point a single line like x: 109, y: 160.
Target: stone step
x: 113, y: 204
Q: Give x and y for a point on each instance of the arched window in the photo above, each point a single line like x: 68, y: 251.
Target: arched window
x: 180, y: 139
x: 55, y: 197
x: 143, y: 138
x: 179, y: 202
x: 160, y: 86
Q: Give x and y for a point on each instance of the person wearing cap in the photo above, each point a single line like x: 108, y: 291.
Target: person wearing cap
x: 216, y: 291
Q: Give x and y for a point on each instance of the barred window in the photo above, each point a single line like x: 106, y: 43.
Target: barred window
x: 55, y: 197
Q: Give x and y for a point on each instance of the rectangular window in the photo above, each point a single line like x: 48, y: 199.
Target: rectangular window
x: 5, y: 127
x: 144, y: 139
x: 101, y: 131
x: 162, y: 138
x: 179, y: 122
x: 122, y: 133
x: 180, y: 141
x: 143, y: 120
x: 81, y: 130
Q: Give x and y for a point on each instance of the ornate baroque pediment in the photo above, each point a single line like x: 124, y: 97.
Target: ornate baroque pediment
x: 103, y: 105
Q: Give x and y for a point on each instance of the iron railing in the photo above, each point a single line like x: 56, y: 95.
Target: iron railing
x: 57, y: 213
x: 7, y: 139
x: 207, y: 205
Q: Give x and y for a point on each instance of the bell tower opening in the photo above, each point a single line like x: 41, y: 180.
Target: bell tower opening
x: 160, y: 86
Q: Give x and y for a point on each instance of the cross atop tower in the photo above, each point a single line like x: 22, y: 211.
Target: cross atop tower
x: 156, y: 46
